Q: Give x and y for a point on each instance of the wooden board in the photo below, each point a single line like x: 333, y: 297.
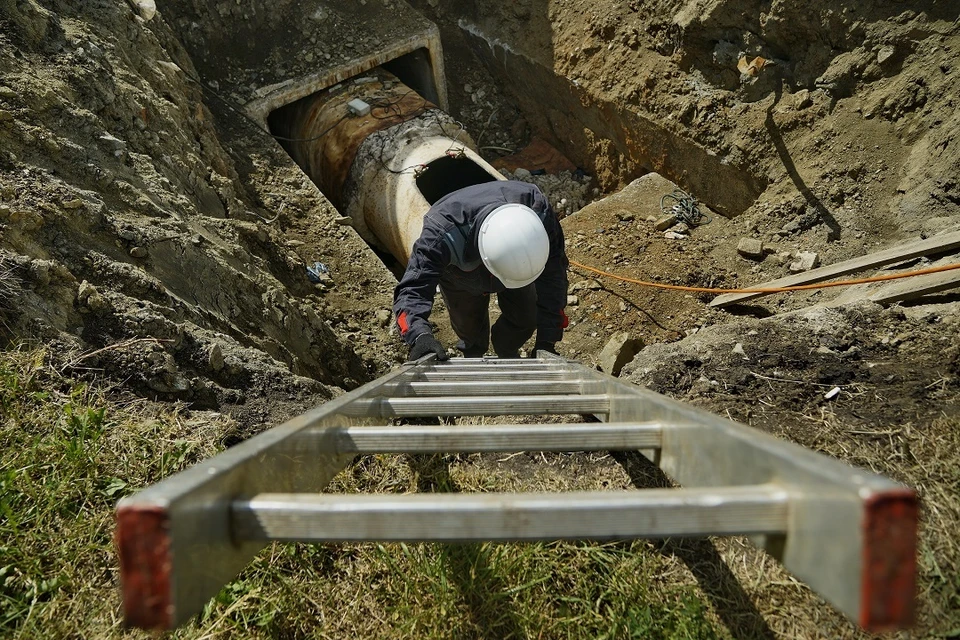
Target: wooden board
x: 944, y: 242
x: 913, y: 287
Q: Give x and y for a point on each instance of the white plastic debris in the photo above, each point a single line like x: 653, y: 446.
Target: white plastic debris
x: 833, y: 393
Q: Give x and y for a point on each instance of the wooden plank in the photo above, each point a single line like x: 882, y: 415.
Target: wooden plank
x: 913, y: 287
x: 944, y: 242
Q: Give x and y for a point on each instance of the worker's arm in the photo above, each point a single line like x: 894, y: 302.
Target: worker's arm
x: 413, y: 296
x: 552, y: 285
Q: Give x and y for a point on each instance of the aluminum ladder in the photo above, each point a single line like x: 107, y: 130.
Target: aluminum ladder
x: 850, y: 534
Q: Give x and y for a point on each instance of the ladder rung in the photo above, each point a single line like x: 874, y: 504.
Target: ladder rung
x: 500, y: 438
x: 760, y: 509
x: 513, y: 374
x: 483, y: 406
x: 477, y: 364
x: 480, y: 388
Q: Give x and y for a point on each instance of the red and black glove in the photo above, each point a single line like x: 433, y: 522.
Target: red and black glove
x: 425, y: 345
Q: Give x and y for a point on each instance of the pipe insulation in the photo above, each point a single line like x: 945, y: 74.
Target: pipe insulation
x: 384, y: 169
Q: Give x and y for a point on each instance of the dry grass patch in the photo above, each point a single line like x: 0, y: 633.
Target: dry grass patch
x: 71, y: 452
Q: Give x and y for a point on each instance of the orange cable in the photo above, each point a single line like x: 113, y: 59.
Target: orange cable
x: 799, y: 287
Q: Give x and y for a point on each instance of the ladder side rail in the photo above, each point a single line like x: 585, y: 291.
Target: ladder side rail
x: 853, y: 533
x: 174, y: 540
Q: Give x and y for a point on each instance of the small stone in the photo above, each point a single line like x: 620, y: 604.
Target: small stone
x: 215, y: 358
x: 586, y: 284
x: 804, y: 261
x: 801, y: 99
x: 5, y: 116
x: 750, y: 248
x: 790, y: 227
x: 139, y: 252
x: 51, y: 145
x: 76, y: 203
x: 521, y: 174
x: 738, y: 349
x: 113, y: 143
x: 84, y: 291
x: 665, y: 223
x: 620, y: 350
x: 383, y: 317
x: 886, y: 52
x: 40, y: 271
x: 573, y: 301
x: 127, y: 234
x: 147, y: 9
x: 96, y: 302
x: 7, y: 93
x: 344, y: 221
x: 673, y: 235
x: 28, y: 220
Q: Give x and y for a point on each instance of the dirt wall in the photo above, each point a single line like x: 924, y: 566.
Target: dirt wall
x: 625, y: 88
x: 137, y: 232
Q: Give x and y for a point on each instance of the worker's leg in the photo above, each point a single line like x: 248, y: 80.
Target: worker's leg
x: 470, y: 318
x: 517, y: 322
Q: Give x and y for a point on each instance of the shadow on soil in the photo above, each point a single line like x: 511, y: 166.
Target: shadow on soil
x: 469, y: 564
x: 725, y: 592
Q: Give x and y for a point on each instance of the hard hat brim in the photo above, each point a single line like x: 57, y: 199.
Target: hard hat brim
x: 517, y: 284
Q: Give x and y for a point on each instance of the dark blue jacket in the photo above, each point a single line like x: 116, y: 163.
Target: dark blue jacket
x: 446, y: 253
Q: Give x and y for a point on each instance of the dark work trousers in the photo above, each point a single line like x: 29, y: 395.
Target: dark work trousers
x: 469, y: 315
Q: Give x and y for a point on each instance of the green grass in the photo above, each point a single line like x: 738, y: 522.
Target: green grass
x: 68, y: 455
x: 454, y: 591
x: 70, y: 452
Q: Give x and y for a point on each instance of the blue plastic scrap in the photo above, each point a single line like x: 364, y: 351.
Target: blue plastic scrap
x: 315, y: 272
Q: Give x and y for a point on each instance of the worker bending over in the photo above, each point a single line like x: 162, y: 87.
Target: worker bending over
x: 497, y: 237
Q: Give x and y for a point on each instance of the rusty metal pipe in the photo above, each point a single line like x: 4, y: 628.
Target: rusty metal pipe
x: 383, y: 170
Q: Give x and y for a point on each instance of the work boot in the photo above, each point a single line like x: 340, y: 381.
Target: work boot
x: 473, y: 351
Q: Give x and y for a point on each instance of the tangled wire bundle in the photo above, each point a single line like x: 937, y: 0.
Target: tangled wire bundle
x: 685, y: 208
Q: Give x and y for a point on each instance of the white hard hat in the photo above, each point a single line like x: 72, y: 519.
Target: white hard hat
x: 514, y: 245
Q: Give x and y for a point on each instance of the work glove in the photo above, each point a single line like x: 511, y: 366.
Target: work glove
x: 549, y: 347
x: 426, y: 344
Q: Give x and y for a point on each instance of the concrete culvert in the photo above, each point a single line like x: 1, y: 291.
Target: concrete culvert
x: 382, y: 153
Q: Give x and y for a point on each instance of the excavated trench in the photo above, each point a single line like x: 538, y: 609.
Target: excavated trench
x: 633, y: 144
x: 161, y: 238
x: 379, y: 146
